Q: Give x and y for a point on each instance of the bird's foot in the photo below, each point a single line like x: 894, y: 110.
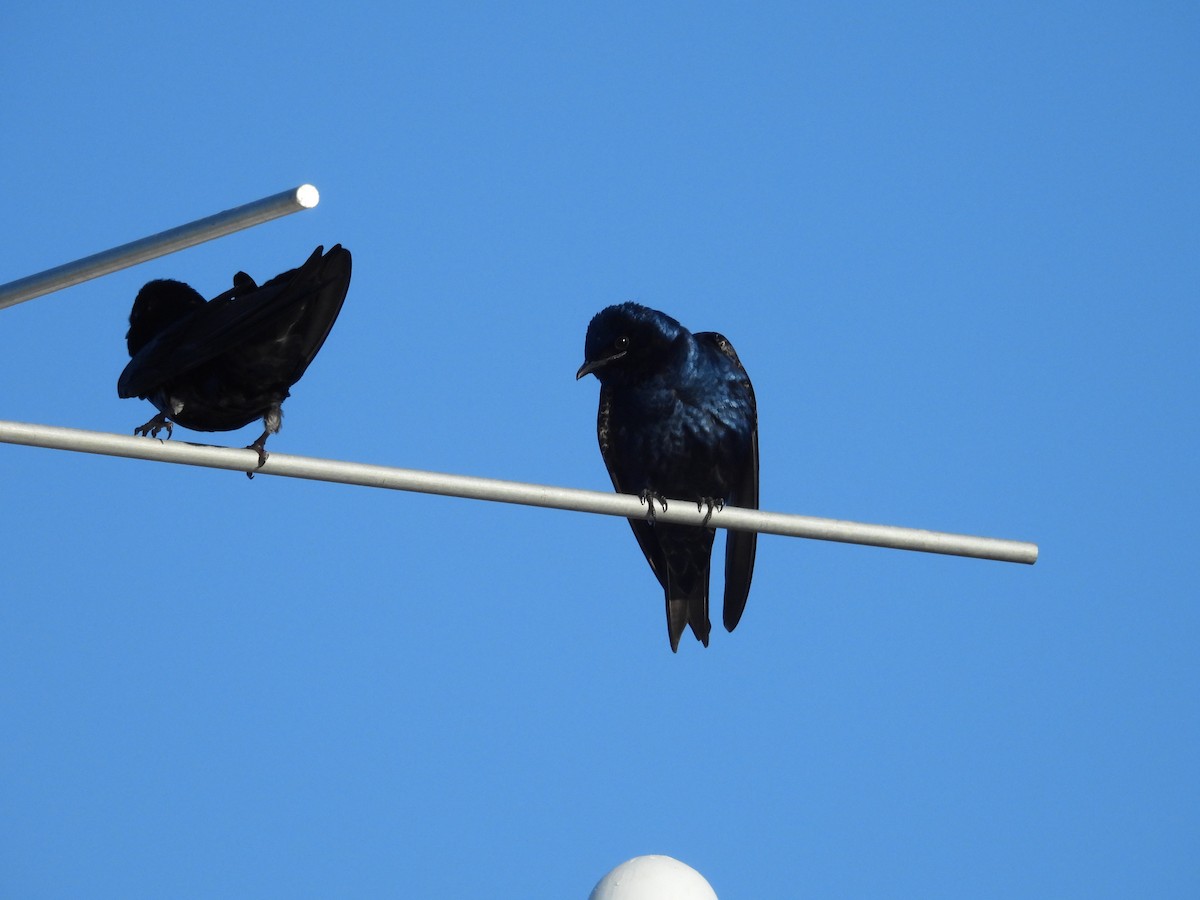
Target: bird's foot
x: 259, y: 447
x: 712, y: 503
x: 154, y: 426
x: 648, y: 497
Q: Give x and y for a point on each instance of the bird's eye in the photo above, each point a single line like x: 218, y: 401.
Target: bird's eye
x: 622, y: 343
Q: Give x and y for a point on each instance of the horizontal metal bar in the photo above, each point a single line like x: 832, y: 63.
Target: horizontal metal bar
x: 471, y: 488
x: 303, y: 197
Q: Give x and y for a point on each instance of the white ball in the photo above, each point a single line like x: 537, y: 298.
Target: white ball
x: 653, y: 878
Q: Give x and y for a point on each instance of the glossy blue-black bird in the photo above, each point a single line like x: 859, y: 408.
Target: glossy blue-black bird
x: 678, y: 419
x: 221, y: 364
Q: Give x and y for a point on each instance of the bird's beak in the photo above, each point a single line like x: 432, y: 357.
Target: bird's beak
x: 589, y: 367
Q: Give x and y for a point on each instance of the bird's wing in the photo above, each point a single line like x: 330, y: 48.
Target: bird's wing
x: 327, y: 288
x: 245, y: 313
x: 642, y: 530
x: 740, y: 546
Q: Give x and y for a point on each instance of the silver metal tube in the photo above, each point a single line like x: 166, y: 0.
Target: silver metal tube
x: 303, y: 197
x: 471, y: 488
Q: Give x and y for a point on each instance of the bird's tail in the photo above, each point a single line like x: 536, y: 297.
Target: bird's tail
x: 688, y: 610
x: 686, y: 553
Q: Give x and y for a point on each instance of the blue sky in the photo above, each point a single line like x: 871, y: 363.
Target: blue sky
x: 956, y: 248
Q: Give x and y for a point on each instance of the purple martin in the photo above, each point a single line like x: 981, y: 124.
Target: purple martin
x: 678, y: 419
x: 222, y: 364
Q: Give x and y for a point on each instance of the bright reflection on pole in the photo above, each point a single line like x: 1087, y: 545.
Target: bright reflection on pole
x: 471, y: 488
x: 303, y: 197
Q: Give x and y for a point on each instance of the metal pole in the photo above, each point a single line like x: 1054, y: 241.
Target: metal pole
x: 303, y: 197
x: 471, y: 488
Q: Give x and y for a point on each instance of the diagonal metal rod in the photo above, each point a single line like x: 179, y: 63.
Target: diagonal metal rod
x: 471, y: 488
x: 303, y: 197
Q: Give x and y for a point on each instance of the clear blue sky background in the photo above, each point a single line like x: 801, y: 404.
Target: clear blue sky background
x: 956, y: 246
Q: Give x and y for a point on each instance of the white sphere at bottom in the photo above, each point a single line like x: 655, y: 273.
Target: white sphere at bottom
x: 653, y: 878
